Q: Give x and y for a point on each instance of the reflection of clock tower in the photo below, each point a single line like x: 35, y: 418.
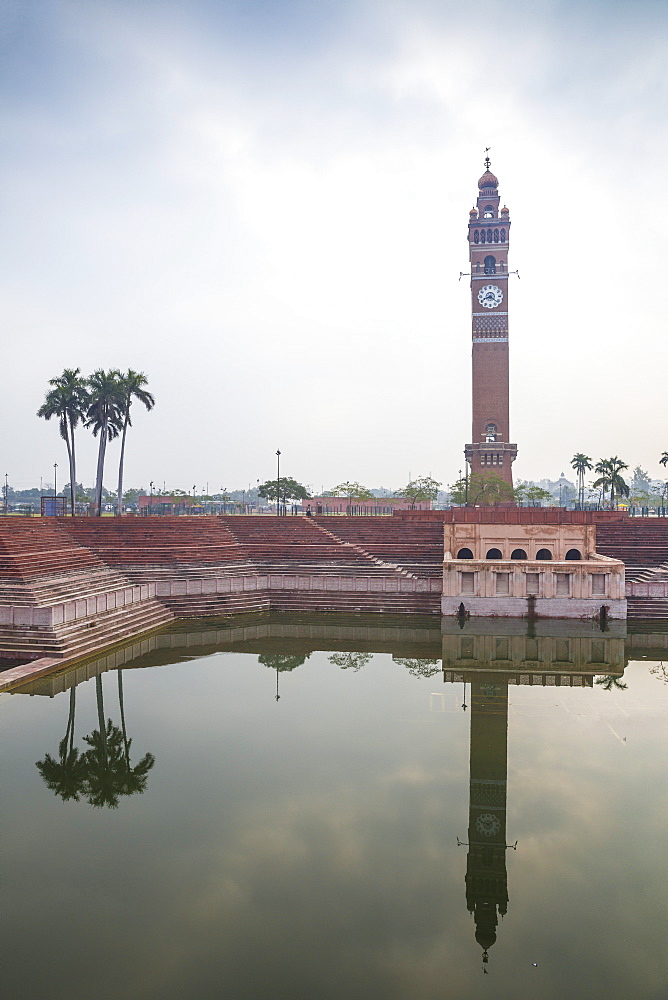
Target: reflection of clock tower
x: 489, y: 232
x: 486, y: 878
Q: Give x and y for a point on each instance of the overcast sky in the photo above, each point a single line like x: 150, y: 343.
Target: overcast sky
x: 264, y: 207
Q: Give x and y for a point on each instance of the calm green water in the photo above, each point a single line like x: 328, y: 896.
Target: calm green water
x: 307, y: 848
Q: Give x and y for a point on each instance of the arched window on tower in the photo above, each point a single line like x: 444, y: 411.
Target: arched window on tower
x: 490, y: 264
x: 496, y: 235
x: 503, y: 236
x: 476, y: 236
x: 488, y: 212
x: 491, y: 431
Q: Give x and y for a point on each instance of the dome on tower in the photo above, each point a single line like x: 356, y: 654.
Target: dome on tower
x: 488, y: 180
x: 474, y: 213
x: 505, y: 210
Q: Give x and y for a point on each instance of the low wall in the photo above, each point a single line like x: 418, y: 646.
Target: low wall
x: 26, y: 616
x: 335, y: 582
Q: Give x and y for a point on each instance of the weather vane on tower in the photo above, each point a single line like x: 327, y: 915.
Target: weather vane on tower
x: 488, y: 162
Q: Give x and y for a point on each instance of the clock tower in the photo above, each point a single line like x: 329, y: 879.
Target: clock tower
x: 489, y: 231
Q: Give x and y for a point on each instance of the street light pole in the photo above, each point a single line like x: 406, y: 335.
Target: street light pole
x: 6, y: 493
x: 278, y: 482
x: 55, y: 485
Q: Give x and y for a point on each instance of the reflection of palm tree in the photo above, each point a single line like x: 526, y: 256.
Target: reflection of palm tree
x: 350, y: 661
x: 109, y: 772
x: 608, y: 682
x: 419, y: 668
x: 104, y: 772
x: 66, y: 776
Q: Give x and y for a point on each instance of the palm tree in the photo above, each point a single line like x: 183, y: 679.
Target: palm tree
x: 582, y: 464
x: 133, y: 384
x: 65, y: 776
x: 67, y: 400
x: 104, y: 417
x: 608, y: 470
x: 664, y: 458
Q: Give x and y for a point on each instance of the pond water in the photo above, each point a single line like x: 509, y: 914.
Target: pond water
x: 310, y: 812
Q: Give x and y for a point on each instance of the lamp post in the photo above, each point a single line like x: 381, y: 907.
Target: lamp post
x: 55, y: 485
x: 278, y: 482
x: 150, y: 499
x: 6, y: 493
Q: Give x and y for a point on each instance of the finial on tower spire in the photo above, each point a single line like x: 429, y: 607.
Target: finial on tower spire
x: 488, y: 162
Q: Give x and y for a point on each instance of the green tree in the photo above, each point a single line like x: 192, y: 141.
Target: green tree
x: 350, y: 661
x: 664, y: 458
x: 282, y: 661
x: 640, y: 482
x: 67, y: 400
x: 290, y: 489
x: 482, y: 489
x: 582, y: 464
x: 419, y: 667
x: 422, y: 488
x: 608, y: 470
x: 354, y: 491
x: 133, y: 386
x: 530, y: 492
x: 104, y: 418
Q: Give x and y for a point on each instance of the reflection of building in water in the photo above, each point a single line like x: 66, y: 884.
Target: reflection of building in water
x: 486, y: 878
x: 490, y: 661
x: 563, y: 654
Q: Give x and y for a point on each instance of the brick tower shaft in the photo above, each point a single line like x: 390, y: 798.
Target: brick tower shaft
x: 490, y: 450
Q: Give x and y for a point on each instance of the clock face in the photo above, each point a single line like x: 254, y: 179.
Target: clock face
x: 490, y: 296
x: 487, y: 824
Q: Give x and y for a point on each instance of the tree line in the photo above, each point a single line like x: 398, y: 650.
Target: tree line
x: 102, y: 403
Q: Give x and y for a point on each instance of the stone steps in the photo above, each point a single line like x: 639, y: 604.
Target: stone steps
x: 84, y: 635
x: 647, y: 607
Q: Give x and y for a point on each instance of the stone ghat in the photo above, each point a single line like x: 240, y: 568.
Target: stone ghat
x: 72, y: 585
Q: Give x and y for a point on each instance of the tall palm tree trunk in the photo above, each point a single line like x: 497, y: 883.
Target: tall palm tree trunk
x: 100, y: 469
x: 73, y: 467
x: 119, y: 499
x: 126, y: 747
x: 100, y: 716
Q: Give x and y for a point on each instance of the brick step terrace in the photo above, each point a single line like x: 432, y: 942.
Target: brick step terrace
x: 156, y: 540
x: 49, y: 590
x: 84, y: 635
x: 647, y: 607
x: 33, y: 547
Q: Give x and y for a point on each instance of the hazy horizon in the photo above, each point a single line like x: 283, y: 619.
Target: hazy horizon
x: 263, y: 206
